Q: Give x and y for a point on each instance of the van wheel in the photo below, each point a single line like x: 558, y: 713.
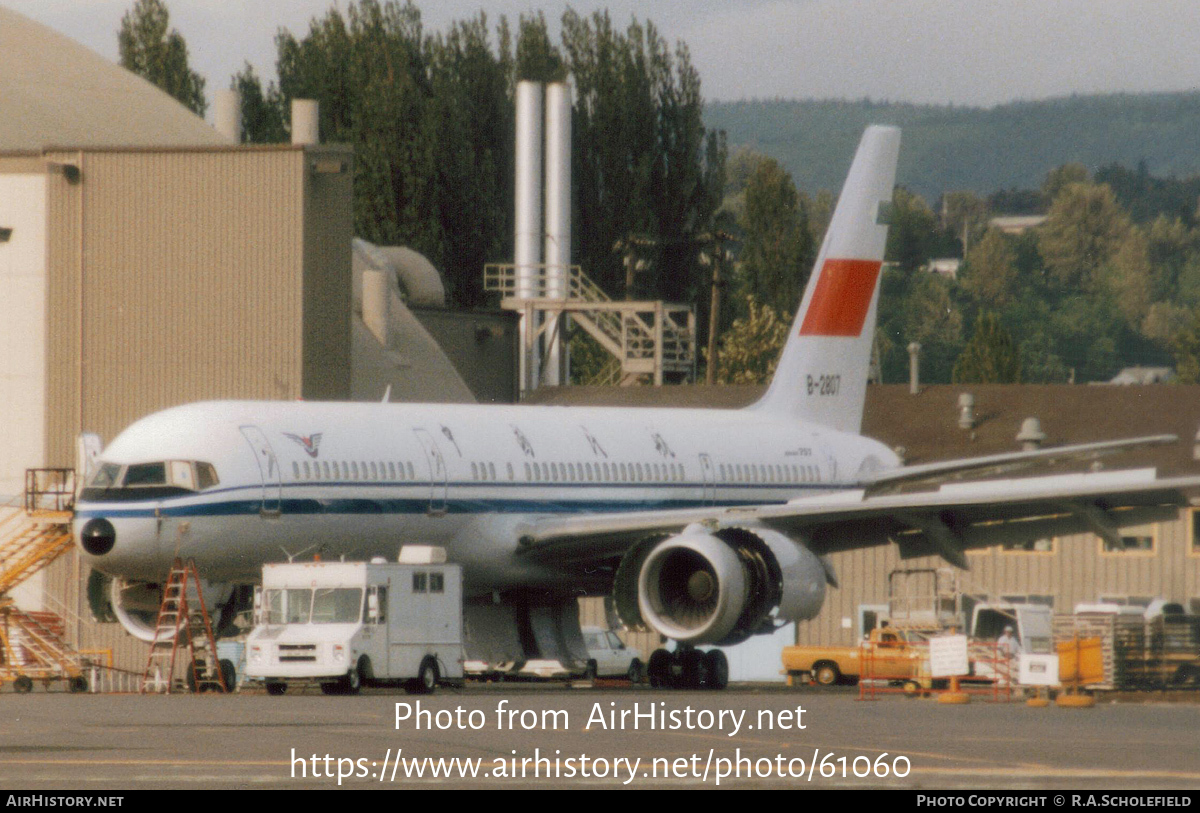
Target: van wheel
x: 427, y: 678
x: 228, y: 675
x: 826, y: 674
x: 636, y: 673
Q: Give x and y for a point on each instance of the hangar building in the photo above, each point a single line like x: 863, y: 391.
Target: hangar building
x: 147, y: 261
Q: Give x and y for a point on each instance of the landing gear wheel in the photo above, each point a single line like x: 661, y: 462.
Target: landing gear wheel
x: 277, y: 689
x: 228, y: 675
x: 718, y: 669
x: 691, y: 666
x: 635, y: 673
x: 77, y: 684
x: 427, y: 678
x: 23, y: 684
x: 659, y: 670
x: 826, y: 674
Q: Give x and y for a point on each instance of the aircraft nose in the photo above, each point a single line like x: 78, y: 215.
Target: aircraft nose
x: 98, y: 536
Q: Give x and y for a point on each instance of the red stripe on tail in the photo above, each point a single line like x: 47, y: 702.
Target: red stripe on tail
x: 841, y: 299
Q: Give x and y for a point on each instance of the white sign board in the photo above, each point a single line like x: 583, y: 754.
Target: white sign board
x: 1038, y: 670
x: 948, y: 656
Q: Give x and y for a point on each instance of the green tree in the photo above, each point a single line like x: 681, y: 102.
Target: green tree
x: 749, y: 350
x: 262, y: 113
x: 645, y: 165
x: 1061, y: 177
x: 912, y: 232
x: 990, y: 270
x: 158, y: 53
x: 1186, y: 348
x: 777, y: 251
x: 990, y: 357
x: 1127, y: 278
x: 965, y: 216
x: 1083, y: 230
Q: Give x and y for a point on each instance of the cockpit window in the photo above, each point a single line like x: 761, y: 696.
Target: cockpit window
x: 206, y: 476
x: 106, y: 476
x: 139, y: 481
x: 146, y: 474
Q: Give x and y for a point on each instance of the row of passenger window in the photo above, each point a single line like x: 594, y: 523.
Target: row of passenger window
x: 353, y: 470
x: 769, y: 473
x: 604, y: 472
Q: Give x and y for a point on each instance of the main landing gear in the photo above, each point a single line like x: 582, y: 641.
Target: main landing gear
x: 688, y: 668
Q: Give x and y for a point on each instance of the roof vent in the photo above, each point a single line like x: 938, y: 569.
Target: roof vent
x: 914, y: 368
x: 1031, y: 435
x: 305, y: 122
x: 966, y: 411
x: 227, y: 115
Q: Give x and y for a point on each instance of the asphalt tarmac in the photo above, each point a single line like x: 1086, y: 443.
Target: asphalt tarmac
x: 531, y: 735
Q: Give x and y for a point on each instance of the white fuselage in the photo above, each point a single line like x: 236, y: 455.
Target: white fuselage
x: 356, y: 480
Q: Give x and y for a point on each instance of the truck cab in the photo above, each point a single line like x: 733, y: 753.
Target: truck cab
x: 348, y: 624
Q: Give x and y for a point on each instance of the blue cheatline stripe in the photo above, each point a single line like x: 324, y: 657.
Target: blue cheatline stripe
x: 416, y: 504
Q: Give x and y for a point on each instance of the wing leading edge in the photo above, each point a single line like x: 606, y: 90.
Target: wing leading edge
x: 946, y: 522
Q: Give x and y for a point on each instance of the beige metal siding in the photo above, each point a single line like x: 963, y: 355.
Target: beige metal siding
x: 184, y: 275
x: 1077, y: 571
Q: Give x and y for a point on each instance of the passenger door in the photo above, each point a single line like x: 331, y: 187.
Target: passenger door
x: 437, y: 472
x: 268, y: 469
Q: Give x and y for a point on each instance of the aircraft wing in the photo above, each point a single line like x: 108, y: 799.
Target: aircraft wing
x: 925, y: 475
x: 947, y: 521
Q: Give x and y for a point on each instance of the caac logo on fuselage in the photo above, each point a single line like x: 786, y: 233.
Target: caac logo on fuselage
x: 310, y: 444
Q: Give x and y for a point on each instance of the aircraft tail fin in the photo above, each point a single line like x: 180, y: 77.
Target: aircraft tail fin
x: 822, y: 373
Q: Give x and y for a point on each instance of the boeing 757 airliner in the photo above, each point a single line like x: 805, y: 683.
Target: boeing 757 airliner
x: 706, y: 526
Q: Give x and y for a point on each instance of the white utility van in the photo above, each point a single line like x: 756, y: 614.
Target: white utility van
x: 346, y: 624
x: 1031, y: 623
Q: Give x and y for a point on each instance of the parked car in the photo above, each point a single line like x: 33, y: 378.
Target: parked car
x: 607, y: 657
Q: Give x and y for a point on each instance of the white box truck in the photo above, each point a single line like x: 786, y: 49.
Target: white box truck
x: 346, y: 624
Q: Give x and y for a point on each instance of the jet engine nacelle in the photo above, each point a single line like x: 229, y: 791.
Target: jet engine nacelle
x: 718, y: 587
x: 135, y: 605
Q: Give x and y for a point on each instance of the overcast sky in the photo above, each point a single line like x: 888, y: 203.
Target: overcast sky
x: 970, y: 52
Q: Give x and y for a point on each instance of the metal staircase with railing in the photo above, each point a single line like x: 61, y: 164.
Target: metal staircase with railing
x: 33, y: 533
x: 645, y: 338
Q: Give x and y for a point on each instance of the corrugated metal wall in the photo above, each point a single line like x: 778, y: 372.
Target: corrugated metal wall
x: 185, y: 275
x: 1077, y: 570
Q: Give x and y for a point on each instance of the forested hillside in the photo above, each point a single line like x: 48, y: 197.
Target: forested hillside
x: 961, y: 148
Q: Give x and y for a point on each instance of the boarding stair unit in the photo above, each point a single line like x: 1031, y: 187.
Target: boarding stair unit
x: 646, y: 339
x: 35, y: 530
x: 183, y: 624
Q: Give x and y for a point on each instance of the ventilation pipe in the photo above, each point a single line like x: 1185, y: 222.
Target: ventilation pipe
x: 966, y: 411
x: 1031, y: 435
x: 914, y: 368
x: 528, y: 210
x: 227, y: 115
x: 306, y: 128
x: 558, y: 222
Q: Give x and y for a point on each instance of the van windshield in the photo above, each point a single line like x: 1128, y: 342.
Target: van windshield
x: 336, y: 605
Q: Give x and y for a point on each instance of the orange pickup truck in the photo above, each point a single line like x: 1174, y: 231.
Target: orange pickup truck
x: 890, y: 650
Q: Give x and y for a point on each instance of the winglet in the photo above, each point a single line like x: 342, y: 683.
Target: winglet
x: 822, y: 373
